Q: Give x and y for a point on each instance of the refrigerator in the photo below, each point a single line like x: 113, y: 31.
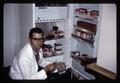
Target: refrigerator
x: 69, y: 19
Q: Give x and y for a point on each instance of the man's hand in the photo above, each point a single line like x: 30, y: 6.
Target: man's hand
x: 49, y: 68
x: 60, y: 66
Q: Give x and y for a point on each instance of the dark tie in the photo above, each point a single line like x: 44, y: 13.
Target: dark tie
x: 37, y: 56
x: 37, y: 59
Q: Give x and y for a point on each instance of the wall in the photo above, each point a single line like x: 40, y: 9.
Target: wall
x: 18, y: 19
x: 11, y: 32
x: 107, y: 38
x: 26, y: 21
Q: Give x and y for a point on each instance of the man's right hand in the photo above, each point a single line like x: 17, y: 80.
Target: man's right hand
x: 49, y: 68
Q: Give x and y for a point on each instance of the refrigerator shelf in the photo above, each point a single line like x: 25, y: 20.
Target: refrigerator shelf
x: 86, y: 40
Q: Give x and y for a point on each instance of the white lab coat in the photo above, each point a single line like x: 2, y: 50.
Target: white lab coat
x: 25, y: 66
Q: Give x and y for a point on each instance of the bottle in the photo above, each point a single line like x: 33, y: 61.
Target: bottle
x: 55, y: 31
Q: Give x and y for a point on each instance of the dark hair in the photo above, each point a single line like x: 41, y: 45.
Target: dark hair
x: 34, y: 30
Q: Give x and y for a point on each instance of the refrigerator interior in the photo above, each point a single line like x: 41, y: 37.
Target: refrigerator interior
x: 47, y: 27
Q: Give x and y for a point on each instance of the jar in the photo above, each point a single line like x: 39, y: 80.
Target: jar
x: 84, y: 35
x: 83, y: 56
x: 57, y: 46
x: 60, y: 33
x: 77, y: 53
x: 77, y: 33
x: 81, y: 34
x: 58, y: 51
x: 87, y: 36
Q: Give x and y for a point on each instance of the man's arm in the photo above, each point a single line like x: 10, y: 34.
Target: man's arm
x: 27, y: 72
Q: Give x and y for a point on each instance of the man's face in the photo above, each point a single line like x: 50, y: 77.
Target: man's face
x: 36, y: 41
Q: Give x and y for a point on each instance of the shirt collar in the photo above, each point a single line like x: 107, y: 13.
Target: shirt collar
x: 37, y: 52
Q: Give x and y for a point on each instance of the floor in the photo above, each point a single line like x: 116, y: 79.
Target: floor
x: 6, y: 72
x: 52, y: 76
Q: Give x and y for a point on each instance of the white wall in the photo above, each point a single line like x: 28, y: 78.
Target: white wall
x: 11, y: 32
x: 107, y: 38
x: 18, y: 19
x: 26, y: 21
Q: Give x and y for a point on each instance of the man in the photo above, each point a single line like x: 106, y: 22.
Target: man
x: 25, y: 65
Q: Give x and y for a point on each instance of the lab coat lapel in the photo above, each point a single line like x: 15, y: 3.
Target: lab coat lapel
x: 34, y: 66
